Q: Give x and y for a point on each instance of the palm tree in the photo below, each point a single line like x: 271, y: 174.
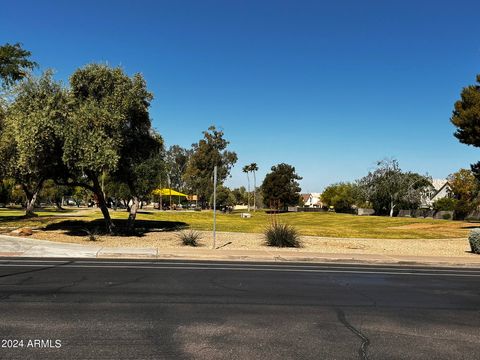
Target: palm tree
x: 246, y: 169
x: 253, y: 168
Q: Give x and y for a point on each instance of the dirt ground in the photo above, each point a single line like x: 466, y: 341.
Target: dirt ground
x: 244, y: 241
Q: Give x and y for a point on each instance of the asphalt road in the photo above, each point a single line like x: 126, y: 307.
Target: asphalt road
x: 77, y: 309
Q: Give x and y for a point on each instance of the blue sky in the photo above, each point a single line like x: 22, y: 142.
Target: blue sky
x: 327, y: 86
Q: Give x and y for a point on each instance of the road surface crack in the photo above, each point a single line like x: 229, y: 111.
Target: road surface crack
x: 362, y: 351
x: 72, y: 284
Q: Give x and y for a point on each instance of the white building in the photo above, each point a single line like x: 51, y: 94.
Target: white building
x: 312, y: 200
x: 440, y: 189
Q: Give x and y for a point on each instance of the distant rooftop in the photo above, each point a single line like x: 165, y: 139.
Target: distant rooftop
x: 438, y: 183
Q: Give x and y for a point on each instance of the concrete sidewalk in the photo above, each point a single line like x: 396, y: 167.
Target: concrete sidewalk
x: 23, y: 247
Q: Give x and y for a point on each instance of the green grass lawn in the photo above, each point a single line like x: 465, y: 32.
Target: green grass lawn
x: 316, y: 224
x: 15, y: 218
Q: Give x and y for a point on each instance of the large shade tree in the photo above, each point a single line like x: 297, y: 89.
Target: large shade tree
x: 209, y: 152
x: 176, y: 161
x: 465, y: 189
x: 280, y: 187
x: 388, y: 188
x: 15, y: 65
x: 30, y: 143
x: 141, y: 168
x: 342, y: 196
x: 108, y: 123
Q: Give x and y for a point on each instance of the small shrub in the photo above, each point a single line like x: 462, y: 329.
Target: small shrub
x: 282, y: 235
x: 474, y: 239
x: 92, y: 234
x: 189, y: 238
x: 446, y: 216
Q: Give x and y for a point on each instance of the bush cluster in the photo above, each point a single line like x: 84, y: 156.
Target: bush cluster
x: 474, y: 239
x: 445, y: 204
x: 446, y: 216
x: 282, y: 235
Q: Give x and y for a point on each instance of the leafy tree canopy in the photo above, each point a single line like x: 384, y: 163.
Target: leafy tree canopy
x: 280, y: 187
x: 109, y: 128
x: 466, y: 118
x: 464, y: 185
x: 342, y: 196
x: 225, y: 197
x: 208, y: 152
x: 14, y: 63
x: 466, y: 115
x: 465, y: 188
x: 388, y: 188
x: 240, y: 194
x: 445, y: 204
x: 176, y: 159
x: 108, y: 111
x: 30, y: 143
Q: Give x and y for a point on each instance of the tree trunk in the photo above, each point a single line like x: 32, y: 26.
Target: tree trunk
x: 392, y: 206
x: 133, y: 213
x: 58, y: 204
x: 30, y: 209
x: 248, y: 192
x: 102, y: 203
x: 254, y: 192
x: 31, y: 198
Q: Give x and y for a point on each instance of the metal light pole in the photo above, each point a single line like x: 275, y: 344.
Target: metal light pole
x: 214, y: 204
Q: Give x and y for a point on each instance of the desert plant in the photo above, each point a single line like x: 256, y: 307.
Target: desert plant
x: 189, y: 238
x: 282, y: 235
x: 474, y: 239
x: 92, y: 234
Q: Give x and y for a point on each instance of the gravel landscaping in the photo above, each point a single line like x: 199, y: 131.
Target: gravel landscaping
x: 253, y: 241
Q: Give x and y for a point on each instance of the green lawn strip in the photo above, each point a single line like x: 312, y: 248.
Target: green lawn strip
x: 312, y: 224
x: 14, y: 218
x: 321, y: 224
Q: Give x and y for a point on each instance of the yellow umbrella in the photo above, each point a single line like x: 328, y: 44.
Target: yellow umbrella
x: 166, y: 191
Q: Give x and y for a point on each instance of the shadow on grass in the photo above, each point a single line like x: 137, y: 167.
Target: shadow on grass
x: 22, y: 220
x: 97, y: 227
x: 11, y: 218
x: 27, y: 220
x: 471, y: 227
